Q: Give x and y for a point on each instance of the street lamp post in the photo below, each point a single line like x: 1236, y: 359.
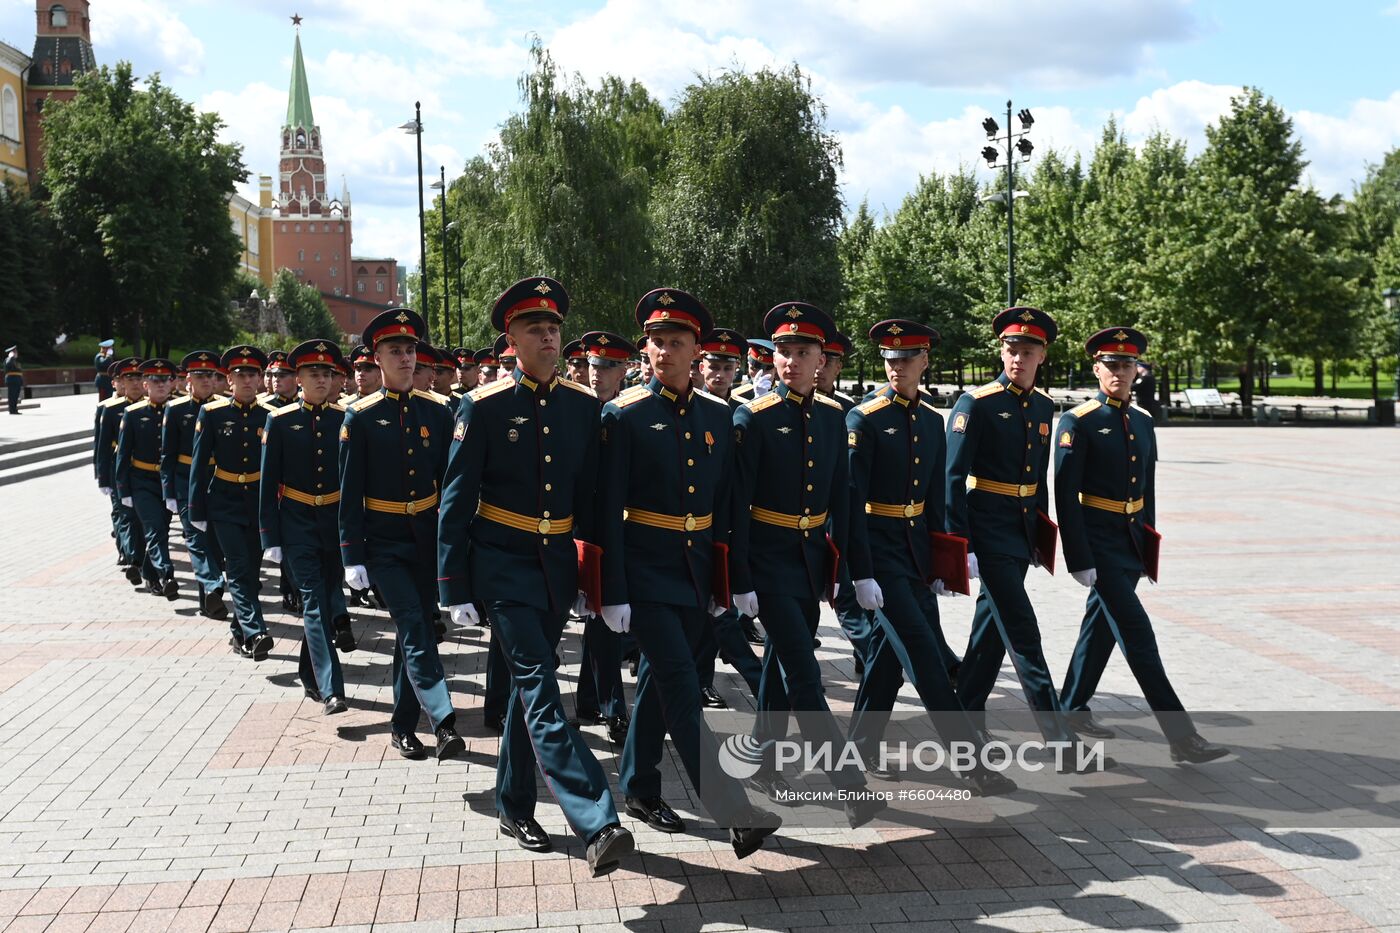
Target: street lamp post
x: 1010, y: 146
x: 441, y: 185
x: 415, y: 126
x: 461, y: 334
x: 1392, y: 304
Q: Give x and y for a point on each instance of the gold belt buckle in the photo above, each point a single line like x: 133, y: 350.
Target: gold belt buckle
x: 544, y: 526
x: 909, y: 511
x: 690, y: 523
x: 320, y: 499
x: 410, y: 507
x: 1023, y: 490
x: 240, y: 477
x: 804, y: 522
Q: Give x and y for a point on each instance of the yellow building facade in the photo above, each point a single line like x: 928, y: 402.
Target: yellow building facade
x: 252, y: 224
x: 14, y: 166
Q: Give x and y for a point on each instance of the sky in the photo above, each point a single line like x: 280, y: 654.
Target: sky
x: 906, y: 83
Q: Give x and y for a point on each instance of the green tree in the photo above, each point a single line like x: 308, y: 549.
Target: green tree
x: 304, y: 309
x: 1047, y: 241
x: 1372, y: 216
x: 748, y: 213
x: 138, y: 185
x: 27, y: 276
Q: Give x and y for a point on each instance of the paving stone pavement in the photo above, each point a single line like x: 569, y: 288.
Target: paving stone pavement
x: 150, y: 780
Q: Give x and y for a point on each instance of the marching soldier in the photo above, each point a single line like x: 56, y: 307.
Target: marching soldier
x: 368, y: 379
x: 522, y: 471
x: 176, y: 456
x: 897, y: 457
x: 100, y: 380
x: 790, y: 475
x: 998, y: 457
x: 665, y: 466
x: 1106, y: 500
x: 131, y: 548
x: 14, y: 378
x: 721, y: 352
x: 576, y: 361
x: 393, y: 450
x: 224, y: 492
x: 297, y: 510
x: 599, y: 698
x: 137, y: 472
x: 281, y: 380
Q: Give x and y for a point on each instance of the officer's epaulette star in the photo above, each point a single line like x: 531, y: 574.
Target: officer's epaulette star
x: 216, y: 403
x: 632, y: 396
x: 135, y: 406
x: 578, y: 387
x: 873, y: 405
x: 432, y: 396
x: 372, y: 399
x: 494, y: 388
x: 765, y: 401
x: 1083, y: 409
x: 828, y: 400
x: 286, y: 409
x: 986, y: 390
x: 113, y: 402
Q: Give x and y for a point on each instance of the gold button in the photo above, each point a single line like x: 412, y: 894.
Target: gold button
x: 1135, y: 479
x: 806, y: 534
x: 545, y: 514
x: 548, y: 458
x: 548, y: 487
x: 412, y: 472
x: 544, y: 541
x: 916, y: 438
x: 1133, y: 459
x: 1132, y: 437
x: 811, y: 440
x: 809, y: 487
x: 544, y: 526
x: 319, y: 469
x: 546, y: 429
x: 916, y: 459
x: 1025, y: 404
x: 916, y: 482
x: 692, y: 488
x: 544, y: 402
x: 241, y: 477
x: 811, y: 463
x: 1028, y: 446
x: 318, y: 451
x: 1131, y: 520
x: 1023, y: 490
x: 687, y: 435
x: 682, y: 411
x: 410, y: 451
x: 689, y: 462
x: 318, y: 433
x: 690, y: 523
x: 1028, y: 469
x: 689, y: 543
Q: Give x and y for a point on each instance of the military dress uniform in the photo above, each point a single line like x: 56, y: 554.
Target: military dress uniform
x: 298, y: 511
x: 176, y: 457
x: 998, y: 459
x: 126, y: 525
x: 664, y: 482
x: 224, y: 496
x: 521, y: 481
x: 791, y: 474
x: 393, y: 451
x: 137, y: 475
x: 14, y: 378
x: 101, y: 381
x: 1105, y: 497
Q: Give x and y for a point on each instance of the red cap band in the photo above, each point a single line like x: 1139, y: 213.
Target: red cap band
x: 801, y: 329
x: 669, y: 318
x: 532, y: 305
x: 1024, y: 330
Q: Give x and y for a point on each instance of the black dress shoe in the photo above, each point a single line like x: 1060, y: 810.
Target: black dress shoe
x: 608, y: 848
x: 748, y: 830
x: 151, y: 584
x: 656, y: 813
x: 170, y: 589
x: 862, y: 811
x: 449, y: 743
x: 874, y: 768
x: 344, y: 637
x: 1072, y: 764
x: 774, y: 788
x: 235, y: 643
x: 334, y: 704
x: 1085, y: 724
x: 710, y: 699
x: 440, y: 632
x: 588, y: 718
x: 527, y: 833
x: 1194, y: 749
x: 984, y: 783
x: 311, y: 693
x: 213, y: 604
x: 860, y: 667
x: 133, y: 574
x: 751, y: 632
x: 496, y: 723
x: 407, y: 745
x: 259, y: 647
x: 617, y: 729
x: 953, y: 674
x: 985, y: 738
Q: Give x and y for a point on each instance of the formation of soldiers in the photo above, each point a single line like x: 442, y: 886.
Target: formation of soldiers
x: 668, y: 516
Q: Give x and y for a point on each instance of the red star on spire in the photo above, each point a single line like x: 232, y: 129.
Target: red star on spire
x: 296, y: 19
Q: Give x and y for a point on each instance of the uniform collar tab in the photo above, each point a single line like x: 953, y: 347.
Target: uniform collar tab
x: 797, y: 398
x: 1110, y: 400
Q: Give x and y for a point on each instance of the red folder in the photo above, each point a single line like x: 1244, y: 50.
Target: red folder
x: 833, y: 569
x: 719, y: 574
x: 1045, y: 534
x: 1151, y: 551
x: 590, y: 574
x: 948, y: 562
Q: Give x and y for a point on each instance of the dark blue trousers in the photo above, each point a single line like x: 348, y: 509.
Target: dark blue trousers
x: 497, y: 698
x: 407, y: 581
x: 206, y: 560
x: 242, y: 549
x: 600, y: 672
x: 725, y: 636
x: 317, y: 572
x: 155, y: 525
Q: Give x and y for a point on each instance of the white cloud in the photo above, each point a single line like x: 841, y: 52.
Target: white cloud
x: 149, y: 33
x: 1183, y: 110
x: 1339, y: 147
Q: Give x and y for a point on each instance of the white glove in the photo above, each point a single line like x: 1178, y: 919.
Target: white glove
x: 202, y: 526
x: 940, y: 590
x: 105, y: 490
x: 357, y: 577
x: 581, y: 604
x: 618, y: 618
x: 715, y: 609
x: 1086, y: 577
x: 126, y: 501
x: 835, y: 590
x: 762, y: 384
x: 869, y: 595
x: 971, y: 566
x: 273, y: 554
x: 464, y: 615
x: 747, y: 603
x: 172, y: 506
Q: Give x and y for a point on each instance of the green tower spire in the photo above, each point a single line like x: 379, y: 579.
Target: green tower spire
x: 299, y: 95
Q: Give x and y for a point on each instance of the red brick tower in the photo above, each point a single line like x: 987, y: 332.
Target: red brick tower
x: 62, y: 52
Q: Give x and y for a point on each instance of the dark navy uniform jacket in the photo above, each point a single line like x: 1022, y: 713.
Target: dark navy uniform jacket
x: 106, y: 426
x: 228, y: 438
x: 393, y: 448
x: 1001, y: 434
x: 301, y: 461
x: 1107, y: 450
x: 138, y: 448
x: 177, y: 446
x: 897, y: 457
x: 790, y: 460
x: 529, y: 449
x: 667, y: 458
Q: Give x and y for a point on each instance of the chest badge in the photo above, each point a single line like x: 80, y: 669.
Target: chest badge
x: 658, y: 426
x: 382, y: 422
x: 1003, y: 415
x: 1105, y: 430
x: 512, y: 435
x: 519, y: 419
x: 785, y: 430
x: 297, y: 427
x: 891, y: 430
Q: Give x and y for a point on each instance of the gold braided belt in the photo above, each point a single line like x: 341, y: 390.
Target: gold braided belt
x: 1119, y: 506
x: 393, y: 507
x: 306, y: 498
x: 242, y: 479
x: 783, y: 520
x: 186, y: 460
x: 889, y: 510
x: 527, y: 523
x: 1023, y: 491
x: 145, y: 465
x: 669, y: 522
